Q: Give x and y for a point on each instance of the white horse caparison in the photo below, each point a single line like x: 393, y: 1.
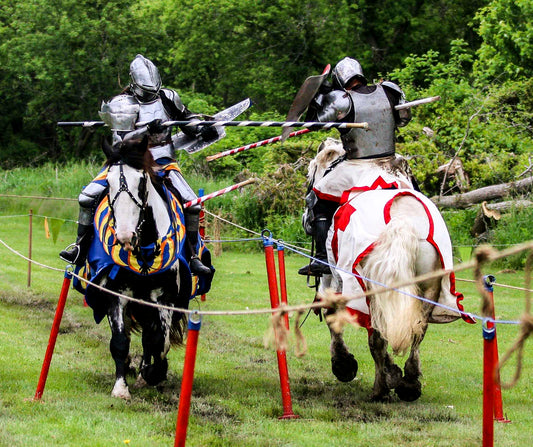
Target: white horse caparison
x: 400, y: 251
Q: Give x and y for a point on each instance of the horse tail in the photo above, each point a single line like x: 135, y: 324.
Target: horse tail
x: 396, y: 315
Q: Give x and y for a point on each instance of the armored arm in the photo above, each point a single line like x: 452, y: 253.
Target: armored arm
x: 173, y: 104
x: 120, y: 114
x: 396, y: 96
x: 333, y: 106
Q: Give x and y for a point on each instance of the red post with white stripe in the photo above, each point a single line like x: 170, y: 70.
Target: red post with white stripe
x: 274, y: 303
x: 53, y: 335
x: 218, y: 193
x: 253, y: 145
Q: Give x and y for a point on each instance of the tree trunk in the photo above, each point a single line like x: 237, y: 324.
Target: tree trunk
x: 486, y: 193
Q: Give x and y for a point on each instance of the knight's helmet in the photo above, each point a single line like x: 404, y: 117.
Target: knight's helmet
x: 345, y: 71
x: 145, y: 79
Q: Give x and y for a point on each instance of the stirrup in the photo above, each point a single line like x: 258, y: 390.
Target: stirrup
x: 315, y: 269
x: 69, y: 255
x: 197, y: 267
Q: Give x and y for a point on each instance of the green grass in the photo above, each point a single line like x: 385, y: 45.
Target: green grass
x: 236, y: 395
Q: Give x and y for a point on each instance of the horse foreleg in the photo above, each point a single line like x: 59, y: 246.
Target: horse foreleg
x: 343, y: 363
x: 156, y: 343
x: 388, y: 375
x: 119, y: 347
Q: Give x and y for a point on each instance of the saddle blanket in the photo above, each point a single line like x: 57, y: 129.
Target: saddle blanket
x: 356, y: 226
x: 363, y: 175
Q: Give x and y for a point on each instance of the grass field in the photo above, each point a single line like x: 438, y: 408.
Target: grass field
x: 236, y: 395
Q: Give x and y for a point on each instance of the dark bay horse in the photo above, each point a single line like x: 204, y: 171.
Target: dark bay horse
x: 138, y: 251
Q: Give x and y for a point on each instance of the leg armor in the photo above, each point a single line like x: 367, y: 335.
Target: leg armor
x: 192, y: 221
x: 322, y: 213
x: 88, y: 199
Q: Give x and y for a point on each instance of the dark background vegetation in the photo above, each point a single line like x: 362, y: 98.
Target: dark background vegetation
x: 60, y: 58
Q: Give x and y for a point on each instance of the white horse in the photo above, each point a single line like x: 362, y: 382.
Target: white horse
x: 382, y: 237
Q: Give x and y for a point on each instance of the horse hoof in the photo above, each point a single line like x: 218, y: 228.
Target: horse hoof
x: 344, y: 367
x: 409, y: 391
x: 380, y: 398
x: 121, y: 390
x: 155, y: 375
x: 140, y: 382
x: 393, y: 376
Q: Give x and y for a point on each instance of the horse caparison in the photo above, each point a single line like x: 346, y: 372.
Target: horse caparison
x: 140, y: 217
x: 400, y: 250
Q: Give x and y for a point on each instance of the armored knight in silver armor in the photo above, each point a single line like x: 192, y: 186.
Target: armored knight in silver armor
x: 349, y: 98
x: 144, y: 101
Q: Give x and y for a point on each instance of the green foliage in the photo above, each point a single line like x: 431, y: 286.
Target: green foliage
x: 507, y: 47
x: 512, y: 227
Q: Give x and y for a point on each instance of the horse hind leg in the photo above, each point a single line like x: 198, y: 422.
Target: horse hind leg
x: 156, y: 343
x: 410, y: 388
x: 387, y: 374
x: 343, y: 364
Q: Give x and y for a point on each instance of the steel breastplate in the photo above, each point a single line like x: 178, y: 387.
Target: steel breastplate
x: 159, y: 144
x: 378, y: 141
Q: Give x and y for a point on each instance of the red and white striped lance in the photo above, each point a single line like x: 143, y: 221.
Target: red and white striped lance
x: 257, y: 144
x: 218, y: 193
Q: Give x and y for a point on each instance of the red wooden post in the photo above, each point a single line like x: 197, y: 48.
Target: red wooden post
x: 53, y: 335
x: 489, y: 334
x: 187, y: 380
x: 282, y: 279
x: 281, y: 354
x: 488, y: 282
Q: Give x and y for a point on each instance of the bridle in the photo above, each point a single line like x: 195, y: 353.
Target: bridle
x: 141, y: 204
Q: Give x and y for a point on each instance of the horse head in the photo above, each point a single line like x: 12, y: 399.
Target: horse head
x: 328, y: 151
x: 129, y: 178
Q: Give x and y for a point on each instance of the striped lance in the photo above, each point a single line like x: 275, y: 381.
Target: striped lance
x: 218, y: 193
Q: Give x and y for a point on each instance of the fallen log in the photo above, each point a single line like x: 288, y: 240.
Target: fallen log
x: 493, y: 192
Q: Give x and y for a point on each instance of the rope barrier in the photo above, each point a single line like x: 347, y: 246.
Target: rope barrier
x: 526, y: 328
x: 14, y: 196
x: 483, y: 255
x: 506, y: 286
x: 340, y: 299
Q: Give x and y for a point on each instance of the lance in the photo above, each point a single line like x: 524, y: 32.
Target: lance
x: 218, y: 193
x: 303, y: 131
x: 196, y: 122
x: 315, y: 125
x: 417, y: 102
x: 80, y: 123
x: 307, y: 124
x: 252, y: 145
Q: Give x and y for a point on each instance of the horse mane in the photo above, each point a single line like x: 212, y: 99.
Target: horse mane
x: 132, y: 152
x: 328, y: 151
